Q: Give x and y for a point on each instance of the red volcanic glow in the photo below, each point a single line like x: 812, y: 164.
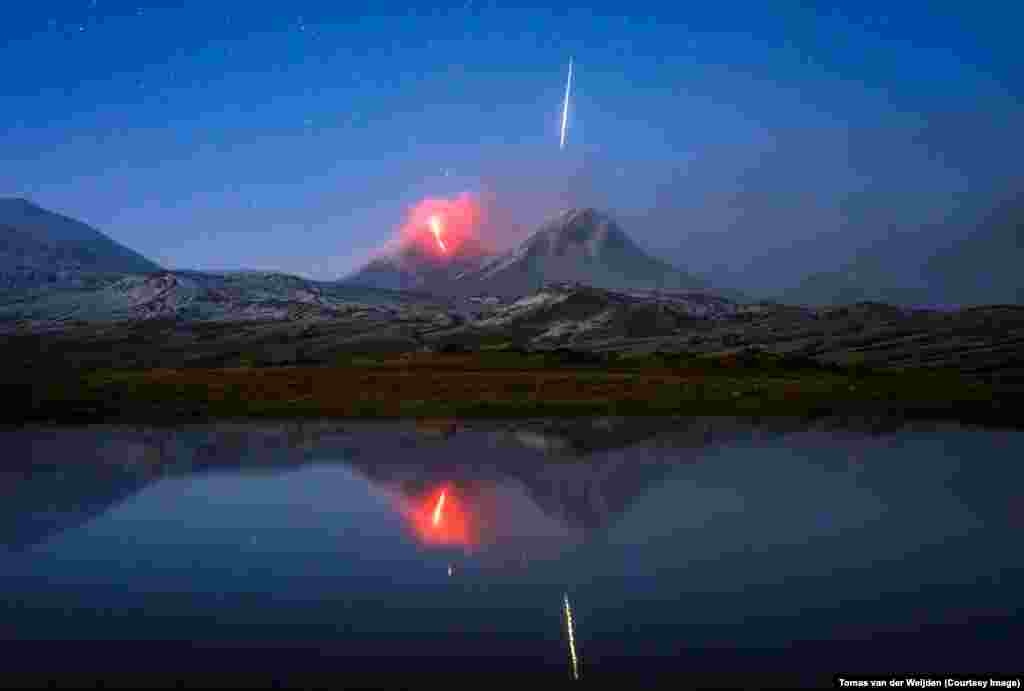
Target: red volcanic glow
x: 435, y: 228
x: 437, y: 509
x: 440, y: 519
x: 458, y: 220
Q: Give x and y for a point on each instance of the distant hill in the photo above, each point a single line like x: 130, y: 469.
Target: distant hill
x: 199, y: 296
x: 579, y: 315
x: 39, y: 247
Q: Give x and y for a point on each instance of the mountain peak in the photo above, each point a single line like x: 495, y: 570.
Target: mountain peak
x: 586, y: 214
x: 581, y: 245
x: 40, y: 246
x: 586, y: 218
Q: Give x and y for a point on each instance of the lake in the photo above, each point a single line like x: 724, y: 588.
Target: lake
x: 710, y: 549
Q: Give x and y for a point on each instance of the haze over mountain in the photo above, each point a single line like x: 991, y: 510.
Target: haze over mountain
x: 39, y: 247
x: 982, y: 267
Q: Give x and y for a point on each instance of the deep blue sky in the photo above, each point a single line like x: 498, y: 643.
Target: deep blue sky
x: 292, y: 135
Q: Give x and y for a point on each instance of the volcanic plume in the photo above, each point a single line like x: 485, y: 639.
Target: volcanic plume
x: 438, y: 240
x: 443, y: 228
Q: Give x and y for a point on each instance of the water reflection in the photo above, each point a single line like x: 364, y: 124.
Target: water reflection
x: 563, y: 480
x: 440, y: 518
x: 676, y: 539
x: 571, y: 633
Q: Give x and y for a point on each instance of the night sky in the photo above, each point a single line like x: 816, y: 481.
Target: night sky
x: 292, y: 136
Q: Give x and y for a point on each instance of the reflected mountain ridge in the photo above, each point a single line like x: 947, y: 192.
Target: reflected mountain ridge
x: 574, y: 471
x: 585, y: 548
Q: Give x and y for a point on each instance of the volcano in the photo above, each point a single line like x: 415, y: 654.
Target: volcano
x: 438, y: 242
x: 578, y: 246
x: 419, y: 268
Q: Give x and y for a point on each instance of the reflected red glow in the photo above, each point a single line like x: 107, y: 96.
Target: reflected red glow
x: 440, y: 518
x: 444, y: 226
x: 437, y: 509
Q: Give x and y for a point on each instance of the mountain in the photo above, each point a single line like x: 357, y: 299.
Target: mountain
x: 39, y: 247
x: 580, y: 245
x: 577, y: 315
x: 419, y: 266
x: 981, y: 267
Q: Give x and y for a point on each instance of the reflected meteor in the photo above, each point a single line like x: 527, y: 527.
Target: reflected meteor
x: 572, y: 636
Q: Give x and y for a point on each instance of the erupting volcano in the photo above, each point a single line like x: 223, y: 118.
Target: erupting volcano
x: 438, y: 240
x: 443, y: 228
x: 435, y: 228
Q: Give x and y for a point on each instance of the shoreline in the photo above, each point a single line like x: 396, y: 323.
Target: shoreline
x: 467, y: 387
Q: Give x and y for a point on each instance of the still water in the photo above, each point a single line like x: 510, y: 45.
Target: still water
x: 714, y: 549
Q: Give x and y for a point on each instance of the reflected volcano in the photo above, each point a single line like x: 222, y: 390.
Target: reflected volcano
x: 374, y: 545
x: 541, y: 482
x: 499, y: 489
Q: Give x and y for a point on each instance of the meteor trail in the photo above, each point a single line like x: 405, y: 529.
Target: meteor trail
x: 572, y: 637
x: 565, y: 106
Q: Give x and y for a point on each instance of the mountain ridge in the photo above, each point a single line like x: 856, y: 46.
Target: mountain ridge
x: 38, y: 247
x: 580, y: 245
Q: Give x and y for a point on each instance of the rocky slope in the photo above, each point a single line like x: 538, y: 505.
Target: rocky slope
x: 571, y: 314
x: 299, y: 323
x: 39, y: 248
x: 198, y: 297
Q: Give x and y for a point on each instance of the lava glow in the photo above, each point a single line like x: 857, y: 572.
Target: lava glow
x: 435, y: 228
x: 436, y: 520
x: 445, y: 227
x: 440, y: 518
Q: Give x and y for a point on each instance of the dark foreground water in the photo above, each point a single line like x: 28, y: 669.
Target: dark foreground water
x: 710, y: 549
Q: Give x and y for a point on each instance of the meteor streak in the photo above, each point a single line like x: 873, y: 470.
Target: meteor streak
x: 435, y: 228
x: 437, y: 509
x: 572, y: 637
x: 565, y: 106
